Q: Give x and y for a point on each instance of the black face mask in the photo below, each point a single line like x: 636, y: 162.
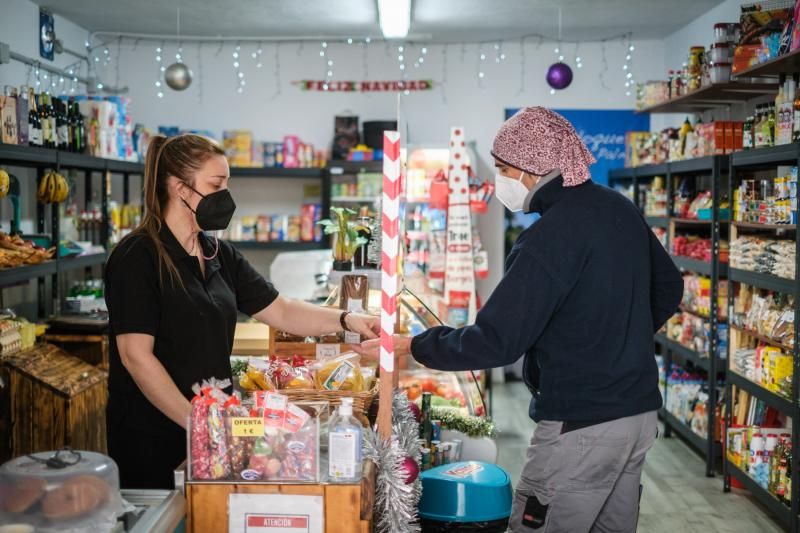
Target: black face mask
x: 214, y: 212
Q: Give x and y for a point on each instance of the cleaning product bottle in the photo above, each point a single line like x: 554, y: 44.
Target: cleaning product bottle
x: 344, y: 445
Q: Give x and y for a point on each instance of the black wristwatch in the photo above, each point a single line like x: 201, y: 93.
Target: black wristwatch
x: 343, y: 321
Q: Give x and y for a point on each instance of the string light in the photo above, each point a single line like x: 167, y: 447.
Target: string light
x: 444, y: 71
x: 630, y: 83
x: 578, y: 61
x: 481, y: 59
x: 349, y: 40
x: 277, y: 72
x: 324, y: 53
x: 237, y: 67
x: 160, y: 62
x: 522, y: 65
x: 257, y: 55
x: 401, y: 59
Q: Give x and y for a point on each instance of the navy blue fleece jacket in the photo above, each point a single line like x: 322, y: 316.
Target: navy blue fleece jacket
x: 584, y: 290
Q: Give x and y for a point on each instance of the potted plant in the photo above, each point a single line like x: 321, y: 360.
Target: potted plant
x: 346, y: 238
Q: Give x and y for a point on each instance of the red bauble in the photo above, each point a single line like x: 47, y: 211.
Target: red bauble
x: 411, y: 469
x: 414, y: 408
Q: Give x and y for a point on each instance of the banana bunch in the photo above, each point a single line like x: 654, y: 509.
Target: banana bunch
x: 53, y: 188
x: 5, y: 183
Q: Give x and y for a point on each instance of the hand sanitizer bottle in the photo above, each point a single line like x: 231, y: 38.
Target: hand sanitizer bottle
x: 344, y: 445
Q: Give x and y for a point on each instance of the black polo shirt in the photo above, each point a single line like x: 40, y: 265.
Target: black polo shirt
x: 193, y: 325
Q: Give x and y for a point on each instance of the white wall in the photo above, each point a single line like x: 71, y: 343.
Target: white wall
x: 273, y: 110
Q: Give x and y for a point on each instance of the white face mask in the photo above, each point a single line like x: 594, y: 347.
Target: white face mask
x: 511, y: 192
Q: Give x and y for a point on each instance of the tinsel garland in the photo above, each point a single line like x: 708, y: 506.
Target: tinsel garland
x: 471, y: 426
x: 395, y: 501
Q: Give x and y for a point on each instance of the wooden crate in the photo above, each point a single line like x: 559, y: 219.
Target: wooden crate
x: 90, y: 348
x: 56, y: 400
x: 307, y: 350
x: 348, y: 508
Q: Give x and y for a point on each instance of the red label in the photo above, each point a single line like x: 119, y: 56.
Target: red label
x: 297, y: 522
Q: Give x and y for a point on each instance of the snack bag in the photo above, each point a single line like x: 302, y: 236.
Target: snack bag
x: 239, y: 448
x: 257, y: 376
x: 341, y: 372
x: 301, y: 377
x: 198, y: 439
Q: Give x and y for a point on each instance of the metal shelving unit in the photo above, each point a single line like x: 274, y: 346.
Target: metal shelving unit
x: 42, y: 159
x: 713, y: 167
x: 745, y: 162
x: 713, y: 96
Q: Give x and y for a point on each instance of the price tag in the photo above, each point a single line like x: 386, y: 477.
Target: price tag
x: 247, y: 426
x: 327, y: 350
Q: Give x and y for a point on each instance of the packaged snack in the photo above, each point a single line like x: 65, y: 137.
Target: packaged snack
x: 342, y: 372
x: 257, y: 376
x: 198, y: 440
x: 300, y: 377
x: 354, y: 298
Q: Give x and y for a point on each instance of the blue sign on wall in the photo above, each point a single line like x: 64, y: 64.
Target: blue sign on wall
x: 603, y: 132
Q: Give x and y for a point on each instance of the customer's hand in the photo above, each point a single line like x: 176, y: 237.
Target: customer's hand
x: 368, y: 326
x: 371, y: 349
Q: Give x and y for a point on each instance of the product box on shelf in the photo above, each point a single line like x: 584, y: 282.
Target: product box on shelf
x: 238, y: 147
x: 8, y: 119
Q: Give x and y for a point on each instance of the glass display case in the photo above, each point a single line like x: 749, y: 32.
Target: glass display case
x: 460, y: 391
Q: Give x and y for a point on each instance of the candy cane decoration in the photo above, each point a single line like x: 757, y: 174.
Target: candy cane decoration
x: 390, y: 212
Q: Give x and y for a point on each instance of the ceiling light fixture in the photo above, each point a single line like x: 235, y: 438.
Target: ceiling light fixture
x: 394, y: 17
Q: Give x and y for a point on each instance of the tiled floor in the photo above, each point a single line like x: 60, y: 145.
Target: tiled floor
x: 677, y: 496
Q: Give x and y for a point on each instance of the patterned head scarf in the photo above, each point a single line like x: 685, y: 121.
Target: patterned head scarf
x: 538, y: 141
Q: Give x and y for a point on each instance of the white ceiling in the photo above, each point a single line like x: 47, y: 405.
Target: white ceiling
x: 439, y: 20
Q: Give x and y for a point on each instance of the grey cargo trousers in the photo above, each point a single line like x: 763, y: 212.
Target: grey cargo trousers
x: 582, y: 481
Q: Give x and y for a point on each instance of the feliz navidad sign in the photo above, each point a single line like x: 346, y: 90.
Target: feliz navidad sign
x: 366, y: 86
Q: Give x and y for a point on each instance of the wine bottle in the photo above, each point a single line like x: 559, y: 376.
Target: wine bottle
x: 34, y: 123
x: 44, y: 118
x: 53, y: 124
x: 63, y: 127
x: 80, y: 130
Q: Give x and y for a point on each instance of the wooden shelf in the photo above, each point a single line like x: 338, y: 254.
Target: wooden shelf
x: 277, y: 173
x: 777, y: 508
x: 764, y: 281
x: 716, y: 95
x: 785, y: 64
x: 763, y: 338
x: 778, y: 403
x: 684, y: 352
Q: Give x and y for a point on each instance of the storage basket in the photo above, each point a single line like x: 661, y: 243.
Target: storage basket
x: 361, y: 400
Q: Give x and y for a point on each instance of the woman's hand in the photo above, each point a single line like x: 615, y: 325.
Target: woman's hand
x: 371, y: 349
x: 368, y: 326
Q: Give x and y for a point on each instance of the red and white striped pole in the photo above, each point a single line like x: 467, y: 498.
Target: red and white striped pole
x: 390, y: 213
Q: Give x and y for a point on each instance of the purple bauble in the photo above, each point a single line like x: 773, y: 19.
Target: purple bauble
x: 414, y: 408
x: 411, y: 469
x: 559, y: 76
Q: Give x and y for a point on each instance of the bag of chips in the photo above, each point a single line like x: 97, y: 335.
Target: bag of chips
x: 340, y: 373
